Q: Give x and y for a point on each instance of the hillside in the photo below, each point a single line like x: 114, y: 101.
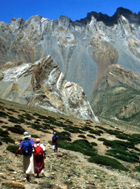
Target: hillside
x: 118, y: 96
x: 90, y: 155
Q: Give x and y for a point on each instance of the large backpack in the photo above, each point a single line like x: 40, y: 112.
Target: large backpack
x: 26, y: 148
x: 38, y: 151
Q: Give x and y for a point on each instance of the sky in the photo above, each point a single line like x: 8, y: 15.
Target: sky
x: 53, y: 9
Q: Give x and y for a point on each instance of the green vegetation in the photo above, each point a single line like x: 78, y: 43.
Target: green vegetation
x: 12, y: 110
x: 13, y: 148
x: 15, y: 120
x: 82, y: 136
x: 64, y: 135
x: 73, y: 129
x: 118, y: 149
x: 92, y: 136
x: 118, y: 143
x: 82, y: 146
x: 16, y: 129
x: 3, y: 114
x: 137, y: 168
x: 104, y: 160
x: 123, y: 155
x: 3, y: 133
x: 28, y: 116
x: 7, y: 140
x: 35, y: 136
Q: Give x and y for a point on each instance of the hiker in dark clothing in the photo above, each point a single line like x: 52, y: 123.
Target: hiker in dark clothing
x: 27, y: 145
x: 55, y: 140
x: 39, y: 156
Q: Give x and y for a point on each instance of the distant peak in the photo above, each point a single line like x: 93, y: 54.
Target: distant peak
x: 111, y: 20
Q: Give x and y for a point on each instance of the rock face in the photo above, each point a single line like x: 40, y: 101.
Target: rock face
x: 82, y: 49
x: 43, y: 84
x: 118, y: 95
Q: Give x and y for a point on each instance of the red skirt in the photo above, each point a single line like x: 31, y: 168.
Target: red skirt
x: 38, y: 163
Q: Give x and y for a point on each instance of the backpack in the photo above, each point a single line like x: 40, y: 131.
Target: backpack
x: 54, y: 139
x: 26, y: 148
x: 38, y: 151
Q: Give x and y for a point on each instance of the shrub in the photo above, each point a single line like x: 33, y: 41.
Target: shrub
x: 118, y: 143
x: 64, y: 135
x: 94, y: 143
x: 17, y: 129
x: 11, y: 109
x: 137, y: 168
x: 123, y: 155
x: 7, y: 139
x: 13, y: 148
x: 82, y: 136
x: 78, y: 146
x: 28, y: 116
x: 68, y: 121
x: 73, y: 129
x: 135, y: 138
x: 92, y: 136
x: 60, y: 124
x: 4, y: 126
x: 4, y: 133
x: 96, y: 132
x: 14, y: 120
x: 3, y: 114
x: 101, y: 139
x: 123, y: 136
x: 36, y: 122
x: 21, y: 118
x: 101, y: 128
x: 104, y: 160
x: 35, y: 136
x: 113, y: 132
x: 85, y: 128
x: 46, y: 126
x: 83, y: 144
x: 37, y: 127
x: 36, y: 114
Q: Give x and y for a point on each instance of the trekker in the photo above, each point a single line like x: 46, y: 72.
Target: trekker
x: 27, y: 145
x: 39, y: 156
x: 55, y: 140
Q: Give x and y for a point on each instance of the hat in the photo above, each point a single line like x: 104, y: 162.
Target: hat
x: 37, y: 140
x: 54, y: 133
x: 26, y: 135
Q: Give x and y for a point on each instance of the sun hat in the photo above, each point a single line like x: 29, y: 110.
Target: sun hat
x: 37, y: 140
x: 26, y: 135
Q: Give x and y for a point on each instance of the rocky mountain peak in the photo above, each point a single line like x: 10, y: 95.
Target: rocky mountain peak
x: 43, y: 84
x: 111, y: 20
x: 83, y: 50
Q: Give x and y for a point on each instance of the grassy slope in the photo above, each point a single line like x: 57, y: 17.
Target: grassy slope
x: 92, y: 140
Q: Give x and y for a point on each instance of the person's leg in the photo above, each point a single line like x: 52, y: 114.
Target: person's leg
x: 56, y: 147
x: 28, y: 177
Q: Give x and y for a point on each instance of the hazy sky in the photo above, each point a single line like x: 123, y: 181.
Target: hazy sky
x: 53, y: 9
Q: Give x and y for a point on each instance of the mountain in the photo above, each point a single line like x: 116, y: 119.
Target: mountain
x: 43, y: 84
x: 83, y: 49
x: 118, y: 95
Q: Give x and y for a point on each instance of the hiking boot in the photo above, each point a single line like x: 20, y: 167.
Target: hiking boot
x: 28, y: 178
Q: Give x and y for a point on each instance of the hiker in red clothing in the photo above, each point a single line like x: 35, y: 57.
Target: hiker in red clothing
x: 39, y: 156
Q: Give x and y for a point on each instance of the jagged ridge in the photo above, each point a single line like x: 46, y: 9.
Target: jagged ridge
x: 43, y: 84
